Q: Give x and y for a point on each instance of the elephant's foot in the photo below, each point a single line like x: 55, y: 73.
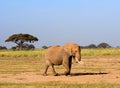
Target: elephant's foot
x: 67, y: 73
x: 44, y: 74
x: 56, y: 74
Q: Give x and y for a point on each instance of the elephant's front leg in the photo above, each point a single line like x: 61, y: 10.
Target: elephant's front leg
x: 67, y: 72
x: 67, y: 64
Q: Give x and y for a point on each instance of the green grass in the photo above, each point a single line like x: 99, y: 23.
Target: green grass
x: 101, y: 52
x: 57, y: 85
x: 40, y: 52
x: 24, y: 53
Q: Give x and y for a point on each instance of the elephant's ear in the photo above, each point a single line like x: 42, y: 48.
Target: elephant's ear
x: 68, y: 48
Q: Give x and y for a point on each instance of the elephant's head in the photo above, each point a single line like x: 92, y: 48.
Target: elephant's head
x: 74, y: 51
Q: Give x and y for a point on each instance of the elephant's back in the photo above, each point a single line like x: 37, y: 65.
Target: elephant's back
x: 50, y: 52
x: 53, y: 49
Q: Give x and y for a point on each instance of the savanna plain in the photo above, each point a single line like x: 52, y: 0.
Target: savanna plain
x: 23, y: 69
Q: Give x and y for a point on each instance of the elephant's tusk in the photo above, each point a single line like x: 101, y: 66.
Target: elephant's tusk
x: 76, y: 59
x: 80, y: 62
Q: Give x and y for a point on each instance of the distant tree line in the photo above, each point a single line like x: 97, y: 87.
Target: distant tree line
x: 101, y: 45
x: 27, y: 46
x: 3, y: 48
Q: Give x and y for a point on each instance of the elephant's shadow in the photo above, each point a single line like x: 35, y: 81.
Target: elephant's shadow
x: 87, y: 73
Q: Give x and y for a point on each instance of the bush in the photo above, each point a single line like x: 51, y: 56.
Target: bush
x: 3, y: 48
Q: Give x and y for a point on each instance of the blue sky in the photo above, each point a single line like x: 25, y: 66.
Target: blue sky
x: 56, y: 22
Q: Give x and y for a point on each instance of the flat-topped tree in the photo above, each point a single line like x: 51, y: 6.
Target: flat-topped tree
x: 19, y: 39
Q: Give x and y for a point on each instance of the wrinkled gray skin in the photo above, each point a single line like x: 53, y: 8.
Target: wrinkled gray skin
x: 62, y: 55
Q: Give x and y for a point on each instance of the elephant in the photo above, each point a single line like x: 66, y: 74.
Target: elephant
x: 62, y: 55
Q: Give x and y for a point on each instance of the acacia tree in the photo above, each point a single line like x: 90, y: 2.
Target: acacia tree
x: 19, y: 39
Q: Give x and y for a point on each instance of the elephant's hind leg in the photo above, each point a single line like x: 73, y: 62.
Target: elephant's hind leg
x: 46, y: 68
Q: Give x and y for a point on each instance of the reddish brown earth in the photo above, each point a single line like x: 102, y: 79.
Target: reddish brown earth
x: 108, y: 71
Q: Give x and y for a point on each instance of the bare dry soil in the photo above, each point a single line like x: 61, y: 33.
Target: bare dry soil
x: 94, y: 70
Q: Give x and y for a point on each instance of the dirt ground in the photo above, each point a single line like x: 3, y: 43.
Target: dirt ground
x: 106, y: 69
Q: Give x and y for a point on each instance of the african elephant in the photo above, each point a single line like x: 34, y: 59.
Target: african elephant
x: 62, y: 55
